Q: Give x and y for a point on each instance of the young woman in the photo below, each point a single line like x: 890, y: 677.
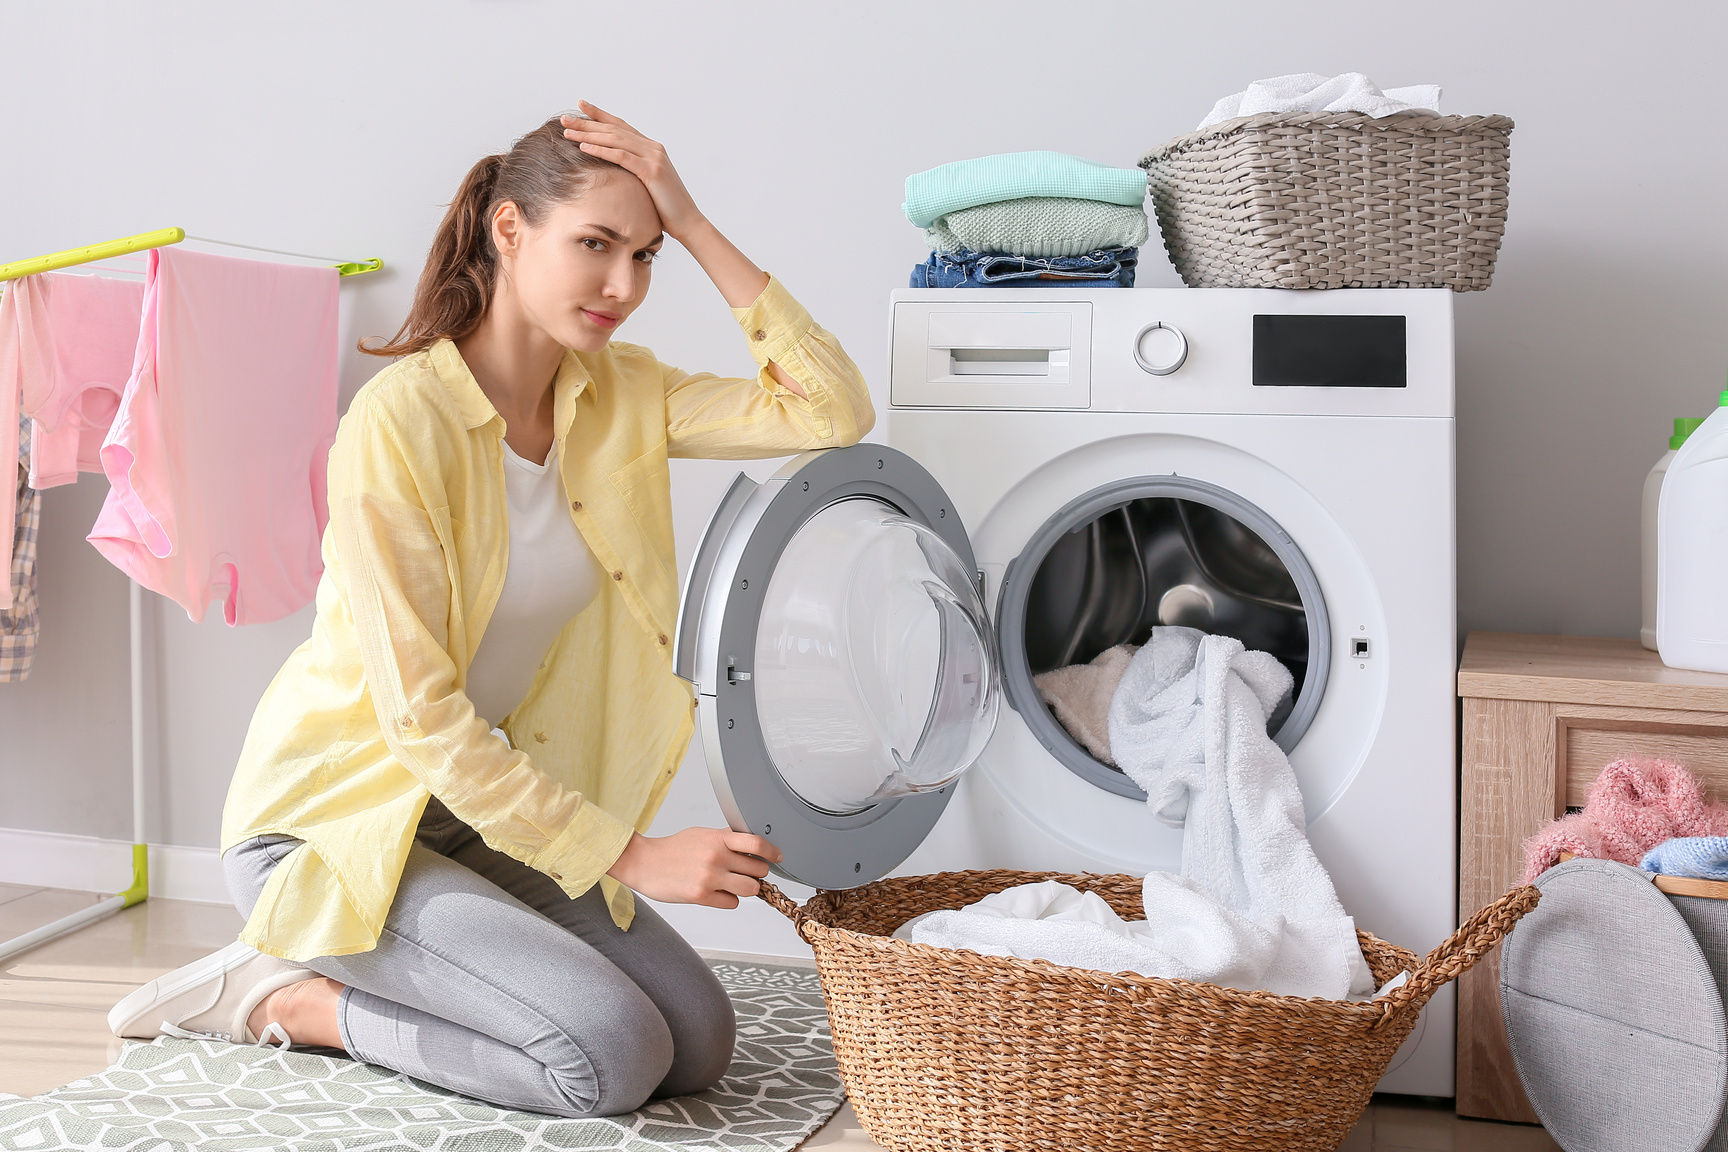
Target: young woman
x: 436, y: 823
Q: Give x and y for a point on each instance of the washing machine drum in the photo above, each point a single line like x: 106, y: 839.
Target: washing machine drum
x: 1116, y: 562
x: 846, y: 672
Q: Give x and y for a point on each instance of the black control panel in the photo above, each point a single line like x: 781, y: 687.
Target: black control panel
x: 1329, y: 352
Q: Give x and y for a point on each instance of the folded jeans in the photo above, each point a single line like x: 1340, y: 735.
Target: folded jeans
x: 1105, y: 268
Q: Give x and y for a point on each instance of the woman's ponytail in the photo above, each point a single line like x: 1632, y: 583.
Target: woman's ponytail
x: 542, y: 168
x: 456, y: 284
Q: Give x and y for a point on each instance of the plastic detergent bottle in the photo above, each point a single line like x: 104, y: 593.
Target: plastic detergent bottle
x: 1683, y: 427
x: 1692, y: 551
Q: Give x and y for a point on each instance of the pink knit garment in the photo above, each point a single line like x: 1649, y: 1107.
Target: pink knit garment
x: 1633, y: 806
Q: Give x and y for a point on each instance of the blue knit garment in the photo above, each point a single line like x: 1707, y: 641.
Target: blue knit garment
x: 1701, y: 857
x: 1013, y: 175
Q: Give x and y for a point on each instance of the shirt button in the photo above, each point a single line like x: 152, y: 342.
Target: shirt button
x: 575, y: 505
x: 662, y: 637
x: 405, y: 721
x: 555, y: 875
x: 761, y: 335
x: 618, y: 575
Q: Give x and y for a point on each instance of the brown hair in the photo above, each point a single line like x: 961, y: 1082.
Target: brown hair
x: 541, y: 169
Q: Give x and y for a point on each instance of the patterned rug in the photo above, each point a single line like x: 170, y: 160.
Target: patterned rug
x: 197, y: 1096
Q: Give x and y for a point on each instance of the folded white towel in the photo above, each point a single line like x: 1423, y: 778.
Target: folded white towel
x: 1312, y: 92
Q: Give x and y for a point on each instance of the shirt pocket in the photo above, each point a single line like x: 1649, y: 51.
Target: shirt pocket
x: 645, y: 484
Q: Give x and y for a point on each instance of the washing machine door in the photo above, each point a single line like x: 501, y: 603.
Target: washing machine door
x: 845, y: 671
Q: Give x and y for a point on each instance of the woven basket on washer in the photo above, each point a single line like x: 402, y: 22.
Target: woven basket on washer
x: 1334, y: 200
x: 953, y: 1050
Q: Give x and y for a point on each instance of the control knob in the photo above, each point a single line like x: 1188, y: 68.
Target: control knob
x: 1160, y: 348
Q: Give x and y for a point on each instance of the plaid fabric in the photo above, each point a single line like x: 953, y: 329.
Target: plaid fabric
x: 20, y: 623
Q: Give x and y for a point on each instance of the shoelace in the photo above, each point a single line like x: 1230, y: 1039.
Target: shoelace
x: 273, y: 1032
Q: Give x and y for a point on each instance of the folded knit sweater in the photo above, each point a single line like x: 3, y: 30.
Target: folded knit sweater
x: 1013, y: 175
x: 1042, y: 226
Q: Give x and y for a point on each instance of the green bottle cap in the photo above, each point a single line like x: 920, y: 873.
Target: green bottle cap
x: 1684, y: 426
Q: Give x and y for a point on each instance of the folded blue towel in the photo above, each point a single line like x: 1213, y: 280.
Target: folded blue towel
x: 1013, y: 175
x: 1701, y: 857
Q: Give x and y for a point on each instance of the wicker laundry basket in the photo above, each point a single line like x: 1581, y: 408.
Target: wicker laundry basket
x: 953, y: 1050
x: 1334, y: 200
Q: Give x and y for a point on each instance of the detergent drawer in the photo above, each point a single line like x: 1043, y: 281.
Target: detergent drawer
x: 992, y: 354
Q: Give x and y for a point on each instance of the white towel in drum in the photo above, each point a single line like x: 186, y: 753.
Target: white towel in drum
x: 1312, y: 92
x: 1188, y: 724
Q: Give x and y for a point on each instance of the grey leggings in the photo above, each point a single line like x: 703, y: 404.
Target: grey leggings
x: 488, y: 980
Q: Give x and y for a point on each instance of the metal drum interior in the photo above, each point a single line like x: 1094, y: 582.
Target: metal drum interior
x: 1118, y: 562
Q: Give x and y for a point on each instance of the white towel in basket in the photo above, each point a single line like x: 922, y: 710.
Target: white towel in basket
x: 1312, y: 92
x: 1253, y: 908
x: 1188, y: 724
x: 1193, y: 938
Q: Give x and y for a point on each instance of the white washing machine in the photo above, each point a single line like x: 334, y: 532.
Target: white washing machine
x: 1066, y: 469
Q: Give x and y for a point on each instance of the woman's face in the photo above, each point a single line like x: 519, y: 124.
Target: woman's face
x: 587, y: 266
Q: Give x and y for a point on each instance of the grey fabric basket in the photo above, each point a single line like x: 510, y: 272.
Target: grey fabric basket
x: 1613, y: 997
x: 1334, y: 200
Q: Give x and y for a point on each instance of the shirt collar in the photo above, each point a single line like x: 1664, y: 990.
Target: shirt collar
x: 570, y: 383
x: 568, y: 386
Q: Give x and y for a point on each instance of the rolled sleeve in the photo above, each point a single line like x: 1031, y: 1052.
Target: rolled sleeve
x: 585, y: 851
x: 774, y: 323
x: 748, y: 418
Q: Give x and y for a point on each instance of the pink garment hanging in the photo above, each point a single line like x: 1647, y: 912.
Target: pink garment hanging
x: 77, y: 352
x: 66, y: 349
x: 73, y: 448
x: 217, y: 456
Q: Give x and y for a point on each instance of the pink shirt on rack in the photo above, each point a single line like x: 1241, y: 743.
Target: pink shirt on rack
x: 217, y: 456
x: 76, y: 338
x: 66, y: 348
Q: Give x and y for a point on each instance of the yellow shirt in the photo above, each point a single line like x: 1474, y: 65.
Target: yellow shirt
x: 368, y: 717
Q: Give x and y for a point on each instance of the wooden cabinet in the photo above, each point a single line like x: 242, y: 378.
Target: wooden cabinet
x: 1542, y: 715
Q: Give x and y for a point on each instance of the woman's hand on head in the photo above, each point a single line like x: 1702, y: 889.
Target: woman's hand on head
x: 606, y: 137
x: 712, y: 866
x: 609, y: 138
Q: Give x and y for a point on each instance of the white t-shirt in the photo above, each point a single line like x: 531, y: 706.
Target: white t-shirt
x: 550, y: 575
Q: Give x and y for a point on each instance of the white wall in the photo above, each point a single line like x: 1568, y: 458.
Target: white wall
x: 342, y: 128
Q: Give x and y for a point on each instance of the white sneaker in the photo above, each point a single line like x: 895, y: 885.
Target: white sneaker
x: 209, y: 999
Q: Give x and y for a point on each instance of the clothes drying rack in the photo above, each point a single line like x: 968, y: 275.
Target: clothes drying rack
x: 140, y: 888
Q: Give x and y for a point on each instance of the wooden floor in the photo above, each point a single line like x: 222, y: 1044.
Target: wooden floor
x: 54, y: 1002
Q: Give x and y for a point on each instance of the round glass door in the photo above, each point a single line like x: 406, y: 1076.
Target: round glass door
x: 874, y: 673
x: 844, y: 669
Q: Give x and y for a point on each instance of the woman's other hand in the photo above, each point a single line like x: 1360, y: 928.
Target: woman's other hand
x: 609, y: 138
x: 712, y: 866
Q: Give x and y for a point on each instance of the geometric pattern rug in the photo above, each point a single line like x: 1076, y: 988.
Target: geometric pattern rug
x: 200, y: 1096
